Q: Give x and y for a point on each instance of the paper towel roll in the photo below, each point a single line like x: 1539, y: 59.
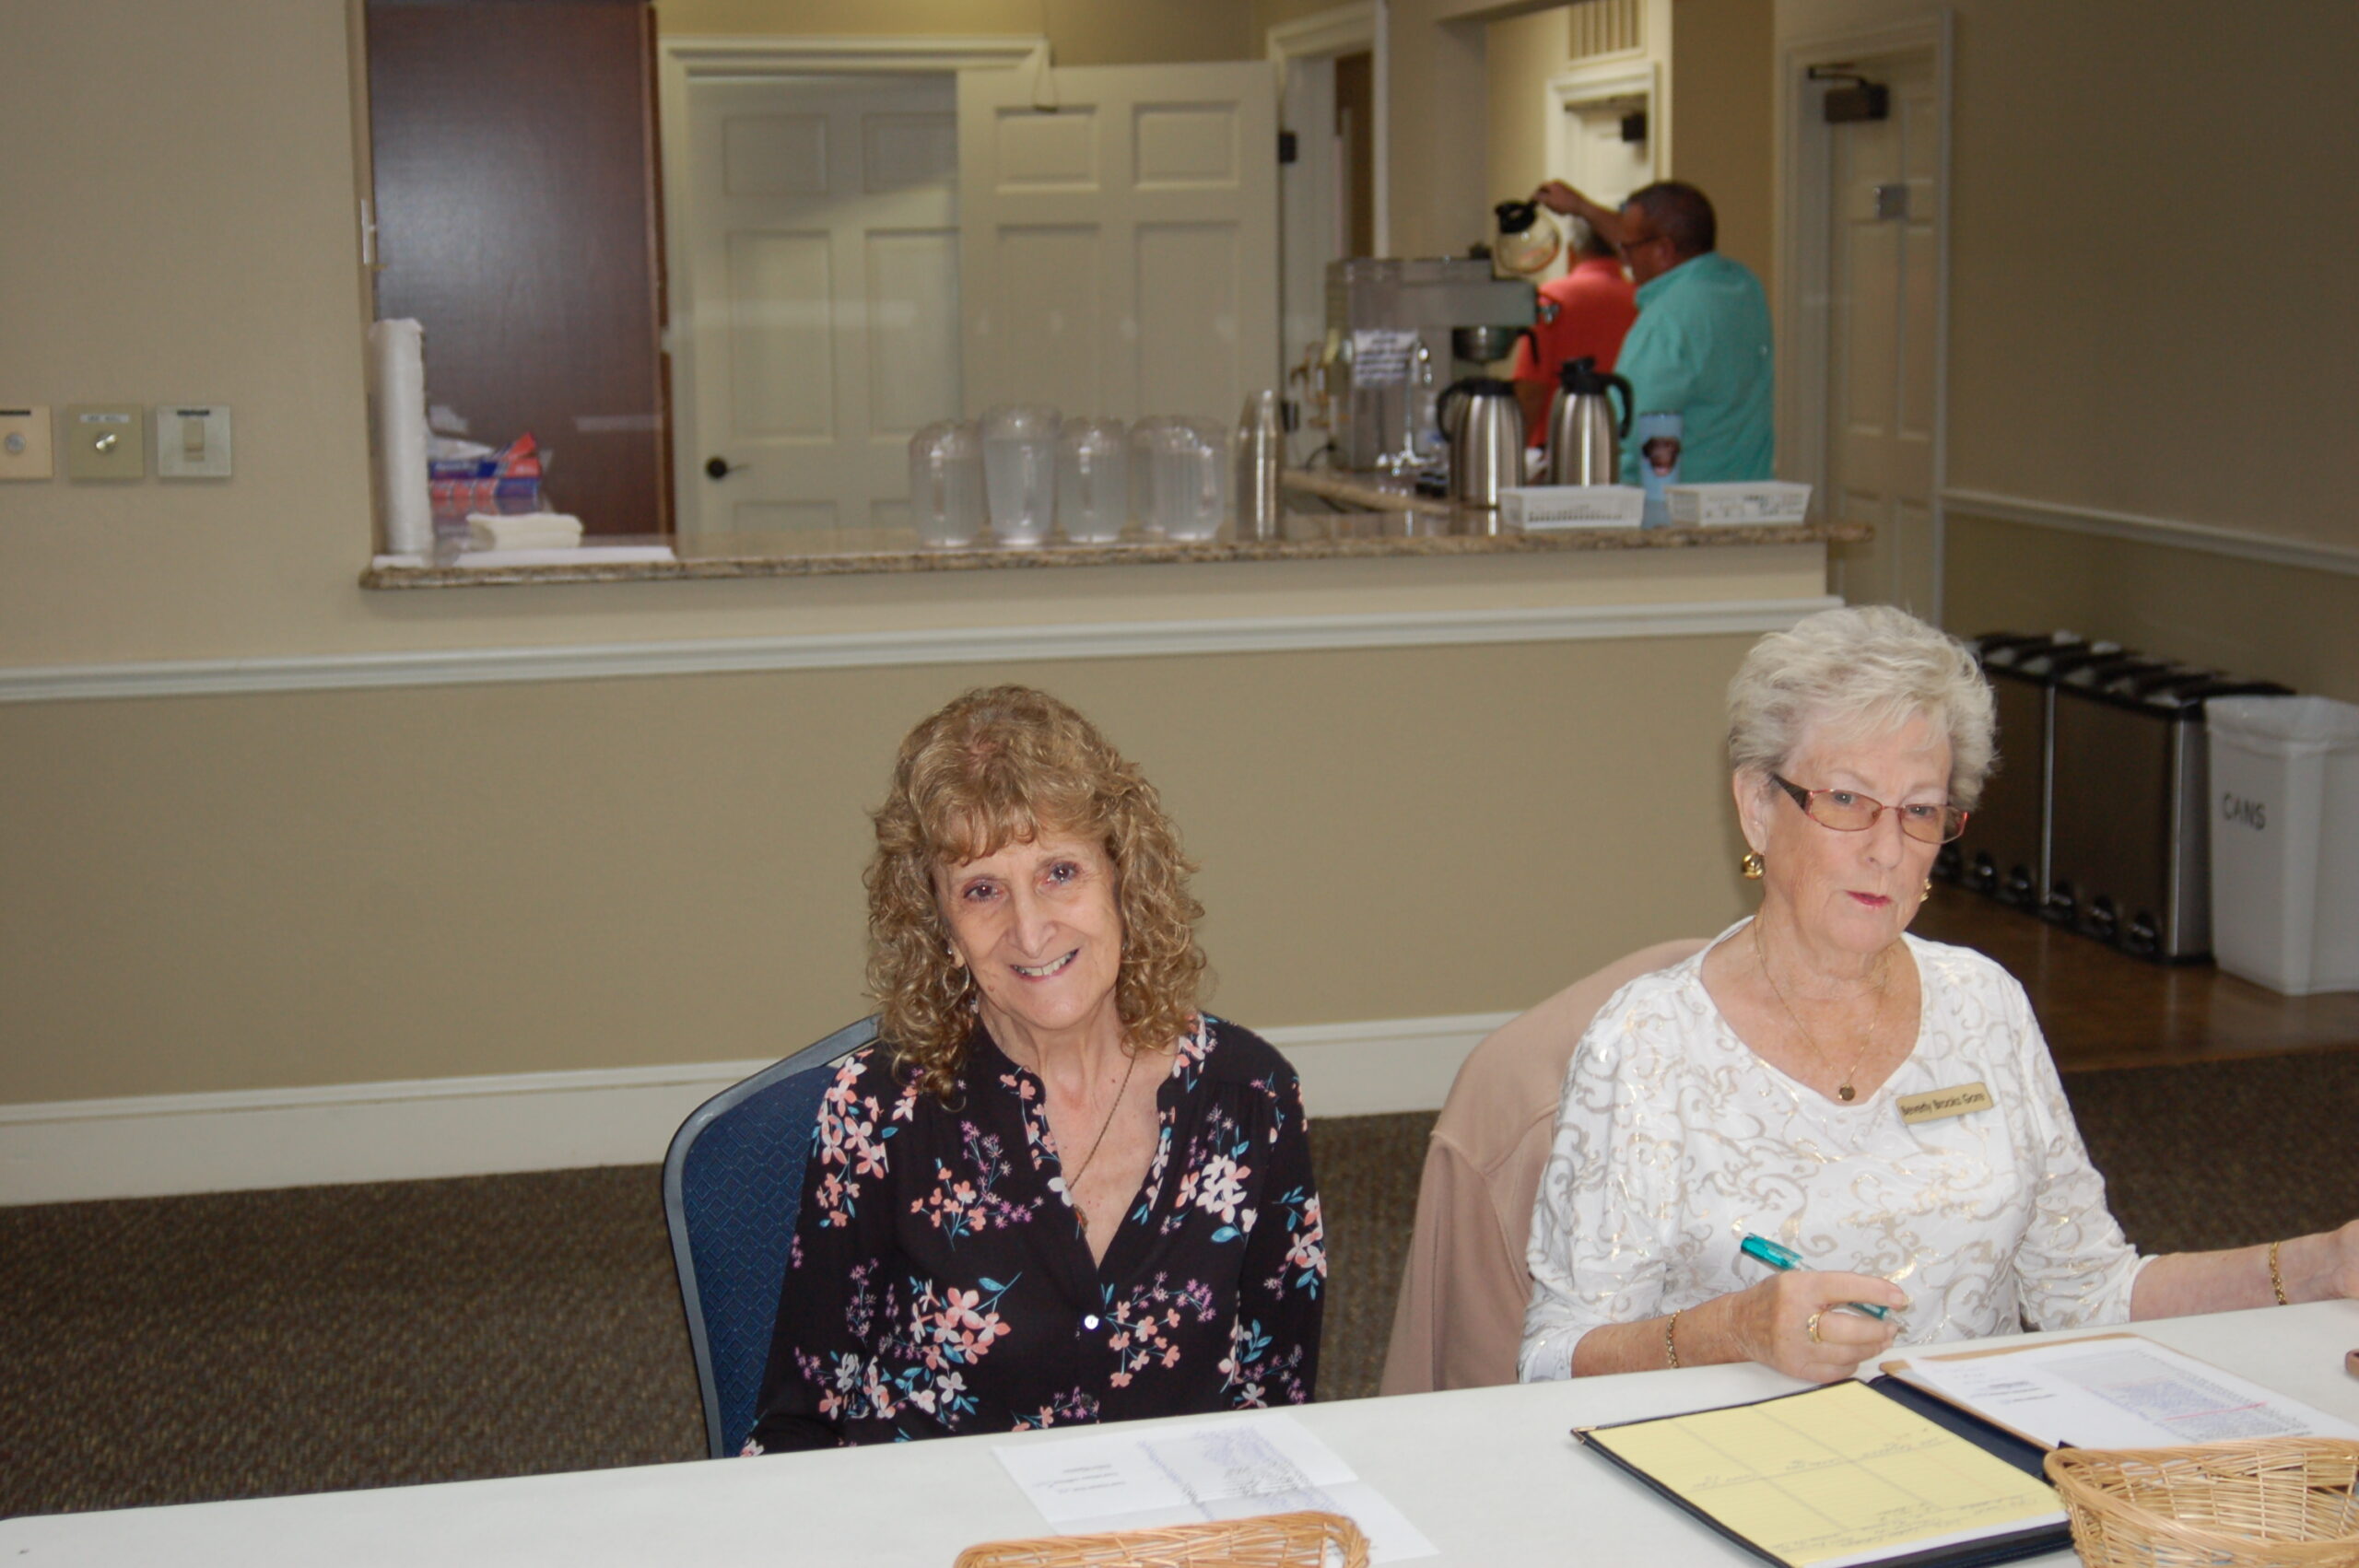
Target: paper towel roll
x: 397, y: 399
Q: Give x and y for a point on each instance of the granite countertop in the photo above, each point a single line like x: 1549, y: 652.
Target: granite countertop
x: 1363, y: 518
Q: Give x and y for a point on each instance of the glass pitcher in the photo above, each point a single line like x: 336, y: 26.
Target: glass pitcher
x: 1528, y: 239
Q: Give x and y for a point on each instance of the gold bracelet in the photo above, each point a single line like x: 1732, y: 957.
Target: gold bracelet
x: 2277, y: 1275
x: 1671, y: 1327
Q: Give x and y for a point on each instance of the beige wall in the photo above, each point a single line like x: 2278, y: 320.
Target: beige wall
x: 302, y: 889
x: 315, y: 888
x: 1438, y: 106
x: 1723, y: 78
x: 2117, y: 339
x: 2148, y: 253
x: 2253, y: 617
x: 2127, y: 353
x: 1133, y: 32
x: 1458, y: 65
x: 135, y: 283
x: 231, y: 891
x: 244, y: 288
x: 1519, y: 56
x: 1268, y: 14
x: 132, y: 281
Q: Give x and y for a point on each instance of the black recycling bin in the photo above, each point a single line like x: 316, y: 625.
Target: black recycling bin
x: 2004, y: 851
x: 2129, y: 857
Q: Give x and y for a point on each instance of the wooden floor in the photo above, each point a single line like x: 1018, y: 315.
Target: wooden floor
x: 2101, y: 1008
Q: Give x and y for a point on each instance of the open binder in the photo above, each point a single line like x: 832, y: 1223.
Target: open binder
x: 1849, y: 1475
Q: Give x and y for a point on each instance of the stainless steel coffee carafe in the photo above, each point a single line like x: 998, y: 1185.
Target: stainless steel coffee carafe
x: 1484, y: 424
x: 1584, y: 438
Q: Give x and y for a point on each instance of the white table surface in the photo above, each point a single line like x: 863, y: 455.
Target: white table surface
x: 1491, y: 1475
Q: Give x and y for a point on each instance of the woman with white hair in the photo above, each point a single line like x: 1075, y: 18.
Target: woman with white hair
x: 1880, y: 1110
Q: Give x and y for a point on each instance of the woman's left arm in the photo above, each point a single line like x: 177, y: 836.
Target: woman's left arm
x: 2319, y: 1267
x: 1281, y: 1286
x: 2073, y: 1265
x: 2072, y: 1259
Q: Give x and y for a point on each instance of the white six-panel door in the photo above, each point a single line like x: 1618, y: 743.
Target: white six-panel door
x: 1884, y: 315
x: 1119, y: 253
x: 823, y: 239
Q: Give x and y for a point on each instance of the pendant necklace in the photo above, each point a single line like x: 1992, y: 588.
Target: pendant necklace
x: 1073, y: 1185
x: 1844, y: 1091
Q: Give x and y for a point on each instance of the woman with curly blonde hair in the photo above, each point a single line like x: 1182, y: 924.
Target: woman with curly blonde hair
x: 1054, y: 1190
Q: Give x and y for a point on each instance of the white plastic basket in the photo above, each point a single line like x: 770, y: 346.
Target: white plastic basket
x: 1755, y: 504
x: 1573, y: 506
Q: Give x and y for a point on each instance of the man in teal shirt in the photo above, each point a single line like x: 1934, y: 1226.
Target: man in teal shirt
x: 1700, y: 349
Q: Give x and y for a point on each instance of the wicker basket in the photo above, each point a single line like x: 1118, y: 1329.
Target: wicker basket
x: 2281, y: 1503
x: 1273, y: 1540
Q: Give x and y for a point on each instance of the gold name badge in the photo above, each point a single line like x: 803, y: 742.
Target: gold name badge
x: 1935, y: 1103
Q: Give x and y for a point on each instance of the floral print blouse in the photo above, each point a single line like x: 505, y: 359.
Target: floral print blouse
x: 940, y: 1281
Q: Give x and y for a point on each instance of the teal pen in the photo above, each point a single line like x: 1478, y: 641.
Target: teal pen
x: 1783, y: 1257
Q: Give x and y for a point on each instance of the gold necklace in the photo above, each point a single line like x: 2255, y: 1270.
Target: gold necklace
x: 1843, y: 1088
x: 1073, y: 1187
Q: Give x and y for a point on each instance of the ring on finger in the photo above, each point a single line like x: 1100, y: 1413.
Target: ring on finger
x: 1811, y: 1328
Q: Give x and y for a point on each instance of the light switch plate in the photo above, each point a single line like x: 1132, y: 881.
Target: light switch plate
x: 192, y: 441
x: 106, y: 440
x: 25, y: 451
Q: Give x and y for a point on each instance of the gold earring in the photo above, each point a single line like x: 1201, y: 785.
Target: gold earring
x: 1929, y: 887
x: 1751, y: 865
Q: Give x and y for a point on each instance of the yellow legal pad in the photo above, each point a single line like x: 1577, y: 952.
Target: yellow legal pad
x: 1837, y: 1477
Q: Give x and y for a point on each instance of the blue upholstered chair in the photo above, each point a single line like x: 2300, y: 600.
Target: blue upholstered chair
x: 733, y: 1180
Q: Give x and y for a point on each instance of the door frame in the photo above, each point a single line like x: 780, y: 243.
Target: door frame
x: 1347, y: 29
x: 1307, y: 200
x: 681, y: 61
x: 1805, y: 256
x: 1634, y: 75
x: 1641, y: 70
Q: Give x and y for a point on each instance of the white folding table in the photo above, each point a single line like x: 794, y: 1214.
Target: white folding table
x: 1491, y: 1475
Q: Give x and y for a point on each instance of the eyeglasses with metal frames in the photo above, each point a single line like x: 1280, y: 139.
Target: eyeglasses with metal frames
x: 1847, y: 811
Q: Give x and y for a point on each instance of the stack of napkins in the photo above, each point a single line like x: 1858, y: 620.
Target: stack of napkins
x: 522, y: 531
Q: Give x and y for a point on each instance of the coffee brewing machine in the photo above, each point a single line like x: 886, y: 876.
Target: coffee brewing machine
x: 1398, y: 333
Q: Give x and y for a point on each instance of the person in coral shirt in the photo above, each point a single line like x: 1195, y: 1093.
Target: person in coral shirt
x: 1582, y: 315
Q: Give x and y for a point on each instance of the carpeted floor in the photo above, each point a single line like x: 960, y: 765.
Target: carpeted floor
x: 244, y: 1344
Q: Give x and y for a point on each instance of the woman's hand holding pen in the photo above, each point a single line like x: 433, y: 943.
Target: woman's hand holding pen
x: 1804, y: 1322
x: 1818, y: 1324
x: 1797, y: 1322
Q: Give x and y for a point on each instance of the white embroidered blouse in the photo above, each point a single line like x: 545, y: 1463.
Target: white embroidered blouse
x: 1674, y: 1141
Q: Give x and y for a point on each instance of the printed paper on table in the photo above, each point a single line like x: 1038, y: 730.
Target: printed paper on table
x: 1146, y: 1477
x: 2112, y: 1391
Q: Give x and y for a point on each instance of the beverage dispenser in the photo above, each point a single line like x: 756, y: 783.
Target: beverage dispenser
x: 1390, y: 350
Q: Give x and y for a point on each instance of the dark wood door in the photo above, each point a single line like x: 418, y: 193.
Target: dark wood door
x: 515, y: 164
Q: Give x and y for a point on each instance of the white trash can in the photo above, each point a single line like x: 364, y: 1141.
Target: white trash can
x: 2284, y: 814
